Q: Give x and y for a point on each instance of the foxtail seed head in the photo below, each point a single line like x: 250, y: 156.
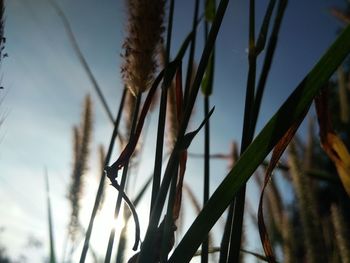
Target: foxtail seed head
x: 145, y: 28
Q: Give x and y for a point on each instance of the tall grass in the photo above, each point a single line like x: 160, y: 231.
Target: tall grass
x: 50, y: 220
x: 178, y: 96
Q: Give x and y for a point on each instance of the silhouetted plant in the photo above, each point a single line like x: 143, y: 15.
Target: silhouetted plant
x: 81, y: 150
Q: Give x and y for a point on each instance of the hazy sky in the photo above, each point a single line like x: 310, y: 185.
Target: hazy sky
x: 45, y: 86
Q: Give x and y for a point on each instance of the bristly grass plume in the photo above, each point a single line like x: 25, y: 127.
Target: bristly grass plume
x: 145, y: 26
x: 81, y: 150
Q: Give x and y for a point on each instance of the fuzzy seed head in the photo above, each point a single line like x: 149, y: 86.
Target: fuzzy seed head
x: 145, y: 28
x: 81, y: 149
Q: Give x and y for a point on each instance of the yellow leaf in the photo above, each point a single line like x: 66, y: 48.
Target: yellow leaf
x: 341, y: 158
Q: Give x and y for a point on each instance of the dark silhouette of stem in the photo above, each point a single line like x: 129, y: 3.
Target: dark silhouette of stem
x: 122, y: 184
x: 162, y: 116
x: 191, y: 55
x: 101, y: 184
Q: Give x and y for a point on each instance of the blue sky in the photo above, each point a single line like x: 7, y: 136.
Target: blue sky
x: 45, y: 86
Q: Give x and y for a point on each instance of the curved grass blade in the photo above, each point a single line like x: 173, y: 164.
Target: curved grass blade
x: 123, y: 235
x: 122, y: 182
x: 133, y: 212
x: 185, y: 143
x: 255, y: 154
x: 112, y: 170
x: 276, y: 155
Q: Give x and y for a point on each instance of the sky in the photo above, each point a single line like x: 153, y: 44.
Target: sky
x: 44, y: 88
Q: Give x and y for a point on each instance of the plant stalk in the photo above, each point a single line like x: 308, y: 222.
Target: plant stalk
x: 101, y: 183
x: 122, y: 184
x: 162, y: 116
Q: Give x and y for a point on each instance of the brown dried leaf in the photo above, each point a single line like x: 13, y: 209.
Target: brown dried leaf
x: 276, y: 155
x: 332, y: 143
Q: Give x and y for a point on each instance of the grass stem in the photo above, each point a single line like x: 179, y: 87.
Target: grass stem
x: 102, y: 179
x: 122, y: 184
x: 192, y: 52
x: 162, y: 116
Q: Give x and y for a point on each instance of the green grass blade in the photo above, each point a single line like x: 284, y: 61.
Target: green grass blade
x: 210, y: 9
x: 208, y: 78
x: 255, y: 154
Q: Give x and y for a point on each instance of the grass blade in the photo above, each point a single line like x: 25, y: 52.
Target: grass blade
x: 162, y: 115
x: 225, y: 240
x: 247, y: 134
x: 268, y: 60
x: 206, y: 190
x: 49, y: 214
x: 276, y: 155
x: 192, y: 51
x: 260, y: 43
x: 133, y: 212
x: 207, y: 89
x: 210, y: 9
x: 81, y: 58
x: 123, y: 235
